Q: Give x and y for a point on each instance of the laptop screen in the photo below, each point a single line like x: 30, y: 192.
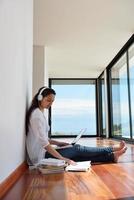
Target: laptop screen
x: 82, y: 131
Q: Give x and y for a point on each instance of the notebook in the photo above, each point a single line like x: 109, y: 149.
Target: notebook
x: 83, y: 166
x: 75, y: 140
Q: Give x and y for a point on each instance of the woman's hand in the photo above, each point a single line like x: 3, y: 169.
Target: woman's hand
x: 58, y: 143
x: 68, y: 161
x: 61, y: 144
x: 57, y: 155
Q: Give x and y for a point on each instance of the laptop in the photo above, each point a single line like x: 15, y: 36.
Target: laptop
x: 75, y: 140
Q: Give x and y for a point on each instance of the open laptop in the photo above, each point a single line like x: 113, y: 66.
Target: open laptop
x: 75, y: 140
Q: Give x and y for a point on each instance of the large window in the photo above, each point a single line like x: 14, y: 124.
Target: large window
x: 131, y: 76
x: 120, y: 105
x: 74, y: 107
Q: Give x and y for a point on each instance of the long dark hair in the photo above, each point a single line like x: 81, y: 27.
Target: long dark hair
x: 36, y: 103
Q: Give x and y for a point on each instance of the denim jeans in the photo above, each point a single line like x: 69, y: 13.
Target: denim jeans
x: 84, y: 153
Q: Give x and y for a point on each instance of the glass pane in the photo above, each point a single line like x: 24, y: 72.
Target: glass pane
x: 131, y: 70
x: 74, y: 107
x: 121, y: 125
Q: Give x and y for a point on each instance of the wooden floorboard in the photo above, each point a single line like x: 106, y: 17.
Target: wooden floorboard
x: 12, y: 178
x: 102, y: 182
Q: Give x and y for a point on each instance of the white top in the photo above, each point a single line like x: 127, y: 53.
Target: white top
x: 37, y: 137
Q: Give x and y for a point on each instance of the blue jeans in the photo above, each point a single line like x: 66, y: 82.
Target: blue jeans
x: 84, y: 153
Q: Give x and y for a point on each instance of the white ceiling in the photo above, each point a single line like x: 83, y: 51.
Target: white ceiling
x: 81, y: 37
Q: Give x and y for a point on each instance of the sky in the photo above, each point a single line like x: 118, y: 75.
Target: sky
x: 74, y: 109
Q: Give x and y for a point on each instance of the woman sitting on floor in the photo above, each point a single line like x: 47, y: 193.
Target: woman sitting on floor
x: 39, y: 146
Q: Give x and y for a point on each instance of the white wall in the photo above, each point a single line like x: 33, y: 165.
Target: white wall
x: 38, y: 68
x: 46, y: 74
x: 16, y: 43
x: 40, y: 73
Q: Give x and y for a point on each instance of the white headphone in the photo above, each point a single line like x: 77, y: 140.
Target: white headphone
x: 40, y: 97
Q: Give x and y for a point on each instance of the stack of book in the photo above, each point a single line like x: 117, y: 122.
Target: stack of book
x: 51, y: 166
x: 48, y: 169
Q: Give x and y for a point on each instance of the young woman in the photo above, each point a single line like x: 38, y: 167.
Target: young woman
x: 39, y: 145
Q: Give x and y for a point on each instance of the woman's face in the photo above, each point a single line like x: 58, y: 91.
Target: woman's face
x: 47, y: 101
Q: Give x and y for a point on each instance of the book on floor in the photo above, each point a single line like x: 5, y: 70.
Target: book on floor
x: 52, y: 165
x: 48, y: 169
x: 79, y: 167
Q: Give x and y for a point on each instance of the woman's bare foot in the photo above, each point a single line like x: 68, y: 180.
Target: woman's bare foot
x: 117, y: 154
x: 121, y: 146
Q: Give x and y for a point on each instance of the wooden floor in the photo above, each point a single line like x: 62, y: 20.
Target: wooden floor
x: 103, y: 182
